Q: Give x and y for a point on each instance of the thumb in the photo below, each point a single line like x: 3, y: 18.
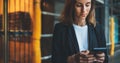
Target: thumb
x: 85, y: 52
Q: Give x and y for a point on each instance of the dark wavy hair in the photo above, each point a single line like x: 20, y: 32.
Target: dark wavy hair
x: 67, y: 16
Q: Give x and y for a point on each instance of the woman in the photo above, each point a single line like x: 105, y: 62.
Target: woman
x: 75, y: 38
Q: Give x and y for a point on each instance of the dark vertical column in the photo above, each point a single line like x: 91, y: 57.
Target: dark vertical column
x: 15, y: 28
x: 48, y: 7
x: 24, y: 30
x: 107, y: 20
x: 5, y: 12
x: 28, y: 36
x: 118, y: 29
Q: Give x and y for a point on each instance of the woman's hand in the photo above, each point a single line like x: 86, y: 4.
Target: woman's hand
x: 84, y: 57
x: 100, y: 57
x: 81, y: 57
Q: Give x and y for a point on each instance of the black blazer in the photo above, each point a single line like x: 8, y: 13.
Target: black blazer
x: 65, y: 43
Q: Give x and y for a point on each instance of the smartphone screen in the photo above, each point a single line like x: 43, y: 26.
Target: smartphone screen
x: 99, y: 49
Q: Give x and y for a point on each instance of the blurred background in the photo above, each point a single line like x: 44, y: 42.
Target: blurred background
x: 18, y: 21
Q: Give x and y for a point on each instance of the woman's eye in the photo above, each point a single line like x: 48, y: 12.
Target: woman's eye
x: 87, y: 5
x: 78, y: 5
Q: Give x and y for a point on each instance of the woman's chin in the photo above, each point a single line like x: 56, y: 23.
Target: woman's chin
x: 82, y: 18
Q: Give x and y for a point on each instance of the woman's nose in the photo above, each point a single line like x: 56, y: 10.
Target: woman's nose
x: 83, y: 9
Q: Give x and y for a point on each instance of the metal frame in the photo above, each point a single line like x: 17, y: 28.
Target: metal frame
x: 5, y: 12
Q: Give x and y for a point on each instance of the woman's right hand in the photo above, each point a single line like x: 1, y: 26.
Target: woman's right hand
x: 84, y: 57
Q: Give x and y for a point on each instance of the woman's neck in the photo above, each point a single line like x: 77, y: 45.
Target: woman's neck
x: 80, y: 22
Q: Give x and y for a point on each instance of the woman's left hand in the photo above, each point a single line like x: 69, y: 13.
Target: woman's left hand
x: 100, y: 57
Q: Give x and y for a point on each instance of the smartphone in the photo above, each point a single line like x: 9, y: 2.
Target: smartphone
x: 99, y: 49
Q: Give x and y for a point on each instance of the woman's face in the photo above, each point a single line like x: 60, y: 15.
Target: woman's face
x: 82, y: 8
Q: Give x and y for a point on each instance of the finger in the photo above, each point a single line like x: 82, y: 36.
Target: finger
x: 82, y: 61
x: 83, y: 56
x: 100, y: 54
x: 91, y: 59
x: 85, y: 52
x: 100, y: 60
x: 86, y: 56
x: 87, y: 59
x: 90, y: 55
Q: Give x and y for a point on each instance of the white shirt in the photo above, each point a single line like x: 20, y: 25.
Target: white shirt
x: 82, y: 36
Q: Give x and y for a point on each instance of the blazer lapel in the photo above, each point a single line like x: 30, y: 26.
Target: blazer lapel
x: 72, y: 38
x: 90, y: 38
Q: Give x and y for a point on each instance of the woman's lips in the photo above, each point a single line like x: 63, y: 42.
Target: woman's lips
x: 83, y: 15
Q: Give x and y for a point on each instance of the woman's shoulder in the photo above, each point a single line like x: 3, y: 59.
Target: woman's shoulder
x: 60, y: 25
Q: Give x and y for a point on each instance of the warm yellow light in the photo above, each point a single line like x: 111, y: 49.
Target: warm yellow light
x: 19, y: 5
x: 112, y: 36
x: 37, y: 33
